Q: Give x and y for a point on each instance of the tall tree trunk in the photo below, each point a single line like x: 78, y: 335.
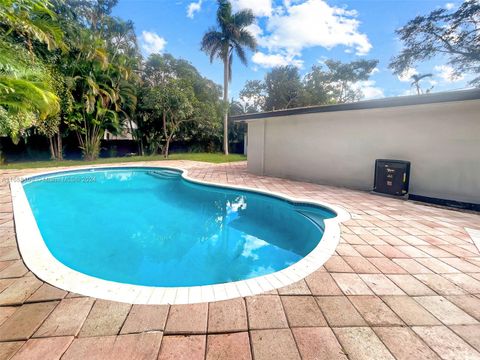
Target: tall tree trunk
x: 55, y: 142
x: 59, y: 146
x: 165, y: 133
x: 166, y: 149
x: 53, y: 153
x: 226, y: 78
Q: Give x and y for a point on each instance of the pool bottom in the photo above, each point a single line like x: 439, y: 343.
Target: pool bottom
x: 39, y: 259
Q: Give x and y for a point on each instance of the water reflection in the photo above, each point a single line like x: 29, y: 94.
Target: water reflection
x: 134, y: 228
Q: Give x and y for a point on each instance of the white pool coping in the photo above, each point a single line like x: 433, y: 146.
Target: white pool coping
x: 45, y: 266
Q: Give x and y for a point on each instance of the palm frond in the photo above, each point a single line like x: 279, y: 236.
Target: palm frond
x: 224, y: 14
x: 241, y: 53
x: 32, y: 19
x: 212, y: 43
x: 24, y: 85
x: 26, y: 95
x: 232, y: 33
x: 243, y: 18
x: 247, y: 39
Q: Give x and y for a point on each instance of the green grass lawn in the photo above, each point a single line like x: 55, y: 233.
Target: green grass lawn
x: 205, y: 157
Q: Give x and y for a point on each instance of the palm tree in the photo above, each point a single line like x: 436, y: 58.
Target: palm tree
x: 416, y: 82
x: 33, y: 20
x: 231, y: 35
x: 24, y: 86
x: 26, y: 91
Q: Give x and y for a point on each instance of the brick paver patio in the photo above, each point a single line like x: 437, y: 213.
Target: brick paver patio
x: 404, y: 283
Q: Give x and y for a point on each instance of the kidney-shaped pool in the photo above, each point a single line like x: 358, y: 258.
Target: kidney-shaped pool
x: 151, y: 227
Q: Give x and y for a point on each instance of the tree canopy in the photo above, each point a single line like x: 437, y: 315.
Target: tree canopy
x: 284, y: 87
x: 453, y: 35
x: 70, y: 69
x: 26, y: 86
x: 176, y: 100
x: 336, y: 82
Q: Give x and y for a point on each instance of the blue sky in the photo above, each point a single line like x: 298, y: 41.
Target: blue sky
x: 297, y: 32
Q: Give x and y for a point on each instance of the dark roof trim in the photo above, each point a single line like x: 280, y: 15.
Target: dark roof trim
x: 461, y: 95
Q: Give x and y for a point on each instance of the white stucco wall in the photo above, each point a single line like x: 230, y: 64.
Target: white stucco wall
x: 442, y: 141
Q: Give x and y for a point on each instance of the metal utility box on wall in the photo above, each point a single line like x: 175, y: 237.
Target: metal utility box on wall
x: 392, y: 177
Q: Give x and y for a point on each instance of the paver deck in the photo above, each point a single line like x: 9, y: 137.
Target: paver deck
x: 404, y: 284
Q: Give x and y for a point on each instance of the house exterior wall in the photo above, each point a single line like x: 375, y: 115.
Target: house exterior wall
x: 441, y: 140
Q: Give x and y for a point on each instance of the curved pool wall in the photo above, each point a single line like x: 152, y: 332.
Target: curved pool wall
x: 51, y: 259
x: 154, y: 228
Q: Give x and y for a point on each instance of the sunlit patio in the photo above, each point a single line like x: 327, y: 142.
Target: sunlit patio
x: 404, y: 283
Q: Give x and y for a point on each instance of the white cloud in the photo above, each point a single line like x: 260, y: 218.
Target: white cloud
x: 449, y: 6
x: 152, y: 43
x: 447, y: 73
x: 296, y: 26
x: 255, y: 30
x: 259, y: 7
x: 273, y: 60
x: 193, y: 8
x: 406, y: 76
x: 369, y: 90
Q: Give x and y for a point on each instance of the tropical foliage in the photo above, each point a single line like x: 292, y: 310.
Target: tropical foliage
x: 71, y: 68
x: 72, y: 72
x: 338, y: 82
x: 453, y: 35
x: 26, y: 89
x: 284, y: 87
x: 416, y: 82
x: 175, y: 98
x: 230, y: 36
x: 98, y: 73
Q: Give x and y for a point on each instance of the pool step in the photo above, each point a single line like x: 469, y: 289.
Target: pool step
x: 164, y: 174
x: 313, y: 217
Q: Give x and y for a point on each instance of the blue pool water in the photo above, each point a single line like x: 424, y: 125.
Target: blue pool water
x: 151, y: 227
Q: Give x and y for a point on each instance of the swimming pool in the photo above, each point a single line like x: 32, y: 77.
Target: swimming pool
x: 152, y: 228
